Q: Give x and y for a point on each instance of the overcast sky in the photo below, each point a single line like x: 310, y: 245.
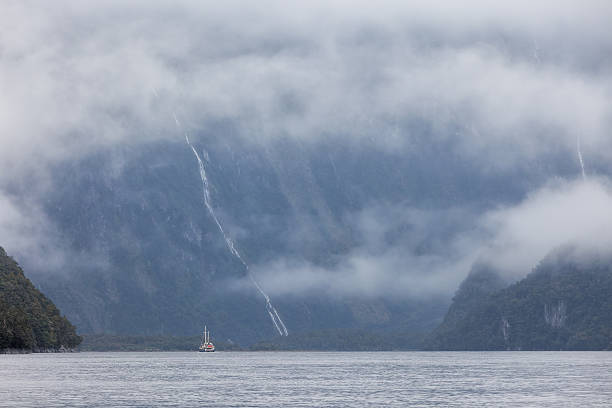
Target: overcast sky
x: 502, y: 85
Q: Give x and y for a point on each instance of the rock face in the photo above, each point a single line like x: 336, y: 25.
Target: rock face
x: 29, y: 321
x: 150, y: 260
x: 555, y: 315
x: 458, y: 330
x: 143, y: 255
x: 564, y: 304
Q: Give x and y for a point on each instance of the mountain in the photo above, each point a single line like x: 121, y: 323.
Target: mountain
x: 28, y: 319
x: 564, y: 304
x: 140, y: 254
x: 145, y: 256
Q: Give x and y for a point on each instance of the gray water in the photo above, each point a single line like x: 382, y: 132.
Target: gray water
x: 282, y: 379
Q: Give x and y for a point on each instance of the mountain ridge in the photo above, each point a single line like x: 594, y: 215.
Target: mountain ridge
x: 29, y: 321
x: 563, y: 304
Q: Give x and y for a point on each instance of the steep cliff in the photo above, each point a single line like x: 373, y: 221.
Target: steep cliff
x: 29, y: 321
x: 564, y: 304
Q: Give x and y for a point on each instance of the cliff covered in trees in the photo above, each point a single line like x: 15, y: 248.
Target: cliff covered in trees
x: 564, y: 304
x: 29, y: 321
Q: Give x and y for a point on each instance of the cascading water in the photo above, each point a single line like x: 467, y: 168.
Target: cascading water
x: 278, y: 322
x: 580, y: 157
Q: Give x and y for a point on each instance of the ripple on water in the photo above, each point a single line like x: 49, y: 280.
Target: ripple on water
x: 301, y: 379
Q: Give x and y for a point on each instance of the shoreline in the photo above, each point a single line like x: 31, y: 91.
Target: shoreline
x: 38, y: 351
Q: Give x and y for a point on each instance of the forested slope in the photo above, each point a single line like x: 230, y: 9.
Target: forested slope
x: 564, y: 304
x: 28, y: 319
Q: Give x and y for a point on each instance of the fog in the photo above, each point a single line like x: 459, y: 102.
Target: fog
x: 503, y: 87
x: 424, y: 260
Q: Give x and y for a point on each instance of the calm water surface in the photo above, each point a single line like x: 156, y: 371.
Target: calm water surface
x: 280, y: 379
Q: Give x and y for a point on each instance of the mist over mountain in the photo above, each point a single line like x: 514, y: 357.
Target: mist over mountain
x: 360, y: 160
x: 564, y: 304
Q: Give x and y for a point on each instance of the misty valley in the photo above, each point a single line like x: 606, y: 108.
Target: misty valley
x: 321, y: 204
x: 283, y: 249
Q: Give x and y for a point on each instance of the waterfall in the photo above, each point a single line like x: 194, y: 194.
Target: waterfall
x: 276, y: 319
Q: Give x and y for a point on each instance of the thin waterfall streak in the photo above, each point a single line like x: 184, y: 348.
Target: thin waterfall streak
x: 274, y: 316
x: 282, y: 330
x: 277, y: 320
x: 209, y: 207
x: 580, y: 157
x: 256, y: 284
x: 536, y: 49
x: 280, y: 321
x: 275, y: 323
x: 230, y: 244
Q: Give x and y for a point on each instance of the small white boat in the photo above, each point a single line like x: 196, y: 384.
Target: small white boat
x: 206, y: 345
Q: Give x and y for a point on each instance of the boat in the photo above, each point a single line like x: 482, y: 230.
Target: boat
x: 206, y: 345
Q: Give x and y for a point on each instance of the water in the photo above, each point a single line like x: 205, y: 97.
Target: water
x: 282, y: 379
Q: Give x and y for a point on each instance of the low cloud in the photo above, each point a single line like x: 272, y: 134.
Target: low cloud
x: 410, y: 253
x: 501, y: 83
x: 499, y: 86
x: 575, y: 214
x: 32, y: 239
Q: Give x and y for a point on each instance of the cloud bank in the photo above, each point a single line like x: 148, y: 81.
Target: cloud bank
x: 509, y: 81
x: 503, y: 87
x: 414, y: 253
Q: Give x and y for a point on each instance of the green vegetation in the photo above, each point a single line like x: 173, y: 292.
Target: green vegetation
x: 343, y: 340
x: 329, y: 339
x: 565, y: 304
x: 29, y: 321
x: 109, y: 342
